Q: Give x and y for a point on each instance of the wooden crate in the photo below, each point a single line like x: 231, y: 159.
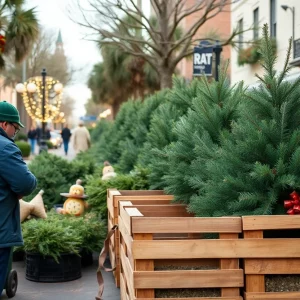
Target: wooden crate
x: 271, y: 256
x: 146, y: 242
x: 155, y: 197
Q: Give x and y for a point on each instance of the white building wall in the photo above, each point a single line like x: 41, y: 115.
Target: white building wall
x: 243, y: 9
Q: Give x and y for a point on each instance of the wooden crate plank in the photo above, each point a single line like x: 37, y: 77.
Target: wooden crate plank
x: 189, y: 225
x: 213, y: 263
x: 116, y: 199
x: 255, y: 283
x: 125, y: 234
x: 229, y: 263
x: 272, y: 266
x: 250, y: 248
x: 141, y: 192
x: 163, y: 207
x: 128, y: 272
x: 151, y: 201
x: 126, y: 215
x: 194, y: 298
x: 188, y: 279
x: 167, y: 214
x: 144, y: 265
x: 271, y: 296
x: 271, y: 222
x: 110, y: 208
x: 123, y: 292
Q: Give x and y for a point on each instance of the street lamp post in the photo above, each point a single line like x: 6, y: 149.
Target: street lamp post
x: 42, y: 100
x: 43, y: 143
x: 285, y: 7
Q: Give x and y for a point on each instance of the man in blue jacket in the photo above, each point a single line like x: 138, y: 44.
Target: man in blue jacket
x: 16, y: 181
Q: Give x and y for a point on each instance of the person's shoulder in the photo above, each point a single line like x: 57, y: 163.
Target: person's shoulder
x: 7, y: 147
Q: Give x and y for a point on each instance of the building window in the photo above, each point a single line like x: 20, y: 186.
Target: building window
x: 241, y: 34
x: 255, y: 24
x: 273, y: 18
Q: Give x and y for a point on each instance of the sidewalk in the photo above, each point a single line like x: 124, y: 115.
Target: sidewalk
x: 85, y: 288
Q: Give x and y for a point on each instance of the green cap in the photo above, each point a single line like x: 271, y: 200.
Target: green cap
x: 9, y: 113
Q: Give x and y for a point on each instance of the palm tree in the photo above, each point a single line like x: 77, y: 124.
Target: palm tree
x: 19, y: 29
x: 121, y: 76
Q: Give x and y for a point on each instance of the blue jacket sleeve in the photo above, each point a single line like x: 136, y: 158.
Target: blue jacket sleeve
x: 15, y: 171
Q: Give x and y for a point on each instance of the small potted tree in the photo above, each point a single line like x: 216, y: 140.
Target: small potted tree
x: 53, y: 245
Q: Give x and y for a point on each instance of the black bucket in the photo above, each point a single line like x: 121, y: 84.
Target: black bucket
x: 46, y: 269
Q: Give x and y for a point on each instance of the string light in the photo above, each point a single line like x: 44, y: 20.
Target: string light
x: 32, y: 90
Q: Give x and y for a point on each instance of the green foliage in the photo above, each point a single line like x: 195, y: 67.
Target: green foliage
x: 120, y: 142
x: 24, y: 147
x: 198, y: 133
x: 131, y: 146
x: 153, y: 156
x: 56, y: 175
x: 257, y: 165
x: 21, y: 137
x: 63, y: 234
x: 100, y: 128
x: 49, y: 145
x: 252, y: 54
x: 97, y: 188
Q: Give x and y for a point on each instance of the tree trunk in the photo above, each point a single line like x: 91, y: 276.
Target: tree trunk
x: 115, y: 108
x: 166, y: 78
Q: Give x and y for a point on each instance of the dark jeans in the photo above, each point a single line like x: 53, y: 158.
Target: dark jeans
x: 4, y: 259
x: 66, y: 146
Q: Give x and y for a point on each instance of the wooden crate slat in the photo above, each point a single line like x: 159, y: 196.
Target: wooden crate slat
x: 143, y: 265
x: 116, y: 199
x: 271, y: 222
x: 154, y: 208
x: 271, y: 296
x: 113, y: 192
x: 188, y: 279
x: 190, y: 225
x: 272, y: 266
x: 251, y: 248
x: 123, y: 292
x: 110, y: 208
x: 128, y: 272
x: 213, y: 263
x: 141, y: 192
x: 167, y: 214
x: 151, y: 201
x: 229, y: 263
x: 194, y: 298
x: 126, y: 214
x: 125, y: 234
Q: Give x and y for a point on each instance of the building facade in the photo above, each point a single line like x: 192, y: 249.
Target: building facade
x: 282, y: 17
x: 218, y: 26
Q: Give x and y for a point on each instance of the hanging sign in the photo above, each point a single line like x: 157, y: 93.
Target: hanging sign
x: 202, y: 60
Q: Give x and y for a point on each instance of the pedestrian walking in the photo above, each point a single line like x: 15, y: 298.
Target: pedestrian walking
x: 16, y: 181
x: 32, y: 137
x: 38, y: 134
x: 81, y: 138
x: 66, y: 134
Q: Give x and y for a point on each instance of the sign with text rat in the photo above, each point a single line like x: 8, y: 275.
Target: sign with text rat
x: 202, y: 60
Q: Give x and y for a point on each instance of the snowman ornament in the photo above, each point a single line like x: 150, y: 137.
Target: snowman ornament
x: 75, y: 204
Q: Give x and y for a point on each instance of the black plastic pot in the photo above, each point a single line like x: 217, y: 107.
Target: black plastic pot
x: 46, y: 269
x: 86, y: 258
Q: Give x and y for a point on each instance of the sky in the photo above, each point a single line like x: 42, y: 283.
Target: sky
x: 82, y: 54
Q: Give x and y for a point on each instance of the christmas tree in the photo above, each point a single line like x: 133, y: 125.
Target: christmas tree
x: 198, y: 133
x: 160, y: 136
x: 257, y: 165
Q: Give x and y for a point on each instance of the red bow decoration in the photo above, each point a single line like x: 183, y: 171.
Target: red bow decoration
x: 293, y: 205
x: 2, y: 43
